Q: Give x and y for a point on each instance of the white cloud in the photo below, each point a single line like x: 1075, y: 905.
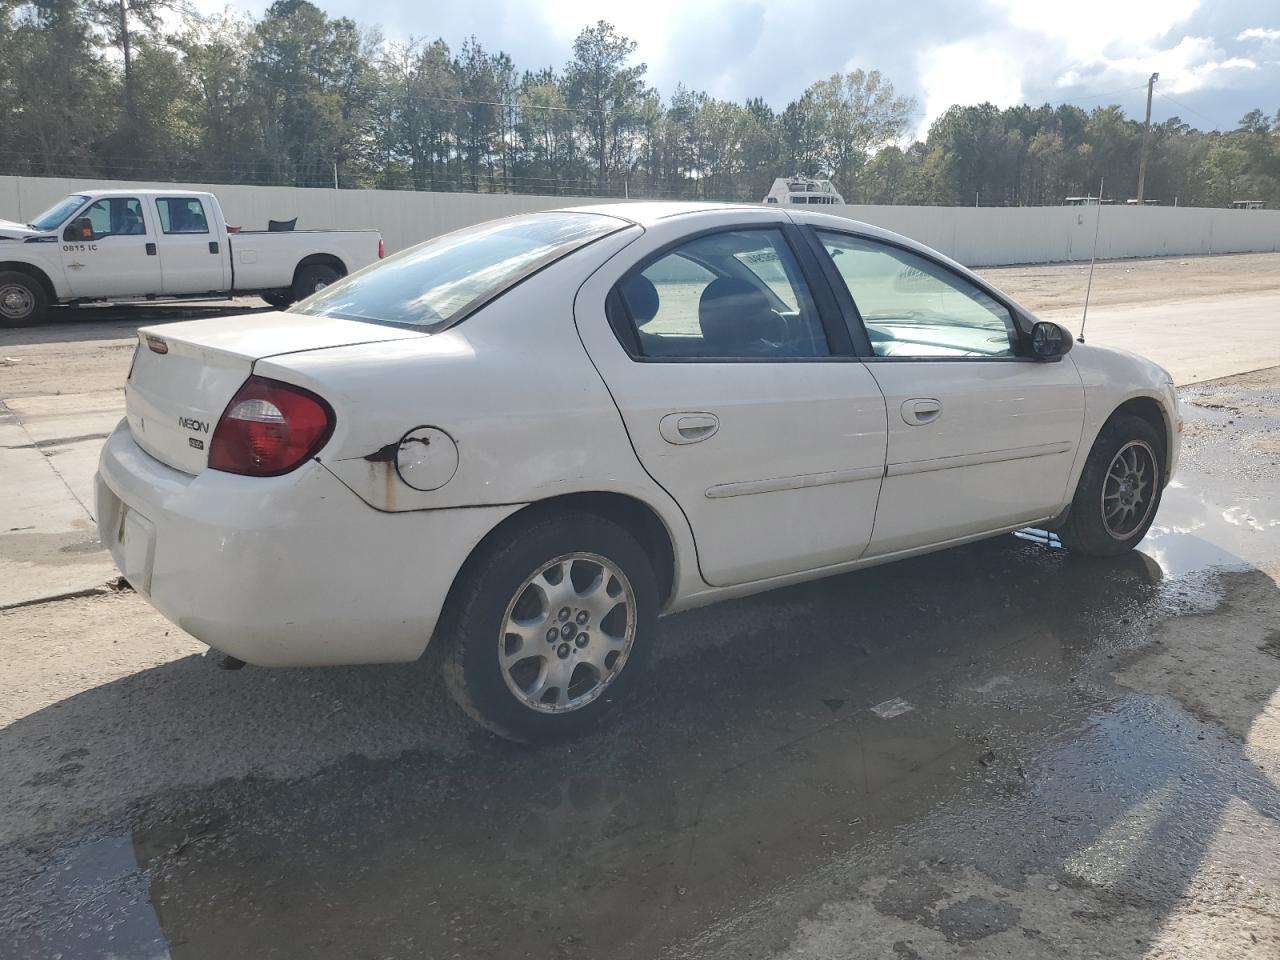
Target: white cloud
x: 968, y: 71
x: 1194, y: 63
x: 653, y: 24
x: 1088, y: 29
x: 1093, y: 51
x: 1259, y: 33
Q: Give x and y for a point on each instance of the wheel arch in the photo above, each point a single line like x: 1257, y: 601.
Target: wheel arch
x: 1146, y: 407
x: 638, y: 518
x: 35, y: 273
x: 1153, y: 412
x: 320, y: 260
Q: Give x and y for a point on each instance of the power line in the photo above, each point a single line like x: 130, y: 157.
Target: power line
x: 1028, y: 97
x: 1211, y: 122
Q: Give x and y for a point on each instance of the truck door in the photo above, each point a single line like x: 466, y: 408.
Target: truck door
x: 109, y: 250
x: 192, y: 257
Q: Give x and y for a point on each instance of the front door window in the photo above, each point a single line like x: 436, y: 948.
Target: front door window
x: 914, y: 307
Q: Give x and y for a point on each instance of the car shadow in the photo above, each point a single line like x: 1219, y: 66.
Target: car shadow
x: 963, y: 697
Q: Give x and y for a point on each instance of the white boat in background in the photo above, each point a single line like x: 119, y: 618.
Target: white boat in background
x: 804, y: 190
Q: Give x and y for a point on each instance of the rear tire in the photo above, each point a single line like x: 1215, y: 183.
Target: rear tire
x: 311, y: 278
x: 1119, y: 490
x: 278, y: 300
x: 581, y: 580
x: 22, y: 299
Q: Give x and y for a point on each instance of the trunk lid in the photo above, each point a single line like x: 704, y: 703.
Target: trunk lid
x: 184, y: 374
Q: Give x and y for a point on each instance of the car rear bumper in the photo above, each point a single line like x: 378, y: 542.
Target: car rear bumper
x: 281, y: 571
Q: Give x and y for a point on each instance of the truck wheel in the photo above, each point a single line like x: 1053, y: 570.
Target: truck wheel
x: 22, y: 299
x: 549, y: 625
x: 311, y: 278
x: 1119, y: 490
x: 278, y: 300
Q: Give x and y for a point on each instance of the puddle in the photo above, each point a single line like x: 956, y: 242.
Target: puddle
x: 1194, y: 531
x: 90, y: 901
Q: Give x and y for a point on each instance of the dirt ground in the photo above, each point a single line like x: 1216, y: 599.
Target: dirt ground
x: 1050, y: 287
x: 999, y: 751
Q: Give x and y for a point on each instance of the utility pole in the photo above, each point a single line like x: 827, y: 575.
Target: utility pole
x: 130, y: 107
x: 1146, y: 140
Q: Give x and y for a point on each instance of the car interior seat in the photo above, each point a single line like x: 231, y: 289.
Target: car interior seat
x: 737, y: 320
x: 131, y: 224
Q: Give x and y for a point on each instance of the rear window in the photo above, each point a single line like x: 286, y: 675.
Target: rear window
x: 439, y: 282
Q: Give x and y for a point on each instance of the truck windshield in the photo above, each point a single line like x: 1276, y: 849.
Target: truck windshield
x: 54, y: 216
x: 429, y: 286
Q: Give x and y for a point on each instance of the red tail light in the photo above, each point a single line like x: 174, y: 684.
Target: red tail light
x: 382, y: 249
x: 269, y: 428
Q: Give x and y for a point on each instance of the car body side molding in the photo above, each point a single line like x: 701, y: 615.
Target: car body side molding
x: 803, y: 481
x: 971, y: 459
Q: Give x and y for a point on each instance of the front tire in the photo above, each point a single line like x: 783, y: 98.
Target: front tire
x: 1119, y: 490
x: 549, y: 626
x: 22, y: 299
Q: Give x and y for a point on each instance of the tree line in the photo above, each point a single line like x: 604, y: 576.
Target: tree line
x: 147, y: 89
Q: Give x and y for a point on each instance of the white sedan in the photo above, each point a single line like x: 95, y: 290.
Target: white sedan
x: 531, y: 437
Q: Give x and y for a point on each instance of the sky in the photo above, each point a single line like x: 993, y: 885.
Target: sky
x: 1217, y: 59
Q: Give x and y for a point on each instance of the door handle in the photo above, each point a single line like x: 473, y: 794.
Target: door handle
x: 688, y: 427
x: 213, y: 246
x: 921, y: 410
x: 151, y: 249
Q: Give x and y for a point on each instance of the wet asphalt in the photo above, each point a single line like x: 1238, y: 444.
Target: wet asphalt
x: 917, y: 724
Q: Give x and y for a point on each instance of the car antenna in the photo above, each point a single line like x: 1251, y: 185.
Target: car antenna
x: 1093, y: 258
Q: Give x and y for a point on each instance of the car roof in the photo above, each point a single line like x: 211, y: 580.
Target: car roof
x: 647, y: 213
x: 177, y: 190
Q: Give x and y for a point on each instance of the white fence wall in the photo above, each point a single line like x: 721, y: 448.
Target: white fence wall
x: 983, y: 236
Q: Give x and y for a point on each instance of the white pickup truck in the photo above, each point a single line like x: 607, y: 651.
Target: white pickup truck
x: 152, y: 244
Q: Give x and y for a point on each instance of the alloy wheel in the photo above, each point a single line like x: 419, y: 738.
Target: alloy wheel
x: 1128, y: 492
x: 567, y: 632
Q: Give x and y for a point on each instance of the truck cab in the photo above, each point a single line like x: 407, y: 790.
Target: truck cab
x: 120, y: 245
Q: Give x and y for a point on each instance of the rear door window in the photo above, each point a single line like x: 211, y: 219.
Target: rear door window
x: 736, y: 294
x: 181, y: 215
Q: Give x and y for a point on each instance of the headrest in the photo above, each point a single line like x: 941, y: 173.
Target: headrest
x: 734, y: 315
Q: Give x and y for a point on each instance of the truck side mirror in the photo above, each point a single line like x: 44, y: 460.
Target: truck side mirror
x: 78, y: 230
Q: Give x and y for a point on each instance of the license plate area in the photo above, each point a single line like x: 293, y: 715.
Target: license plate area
x: 134, y: 548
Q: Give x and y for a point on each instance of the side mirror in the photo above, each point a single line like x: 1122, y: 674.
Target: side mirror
x: 78, y: 230
x: 1049, y: 341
